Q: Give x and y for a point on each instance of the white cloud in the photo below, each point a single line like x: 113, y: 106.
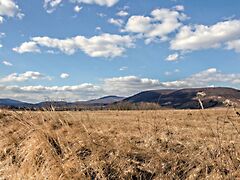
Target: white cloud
x: 123, y: 68
x: 6, y: 63
x: 1, y: 19
x: 50, y: 5
x: 132, y: 84
x: 173, y: 57
x: 203, y: 37
x: 204, y: 78
x: 104, y: 45
x: 27, y: 47
x: 124, y: 86
x: 129, y: 85
x: 116, y: 22
x: 29, y: 75
x: 235, y: 45
x: 64, y: 75
x: 98, y: 28
x: 101, y: 15
x: 161, y: 23
x: 122, y: 13
x: 107, y: 3
x: 40, y: 93
x: 179, y: 7
x: 10, y: 9
x: 2, y: 34
x: 77, y: 9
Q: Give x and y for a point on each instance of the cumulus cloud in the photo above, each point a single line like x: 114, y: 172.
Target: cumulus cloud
x: 77, y: 9
x: 107, y: 3
x: 38, y: 93
x: 27, y: 47
x: 205, y: 78
x: 82, y: 87
x: 235, y: 45
x: 51, y: 5
x: 159, y: 25
x: 1, y: 19
x: 129, y: 84
x: 116, y: 22
x: 123, y: 86
x: 64, y: 75
x: 196, y: 37
x: 29, y: 75
x: 104, y: 45
x: 122, y: 13
x: 132, y: 84
x: 173, y: 57
x: 10, y: 9
x: 179, y: 7
x: 6, y: 63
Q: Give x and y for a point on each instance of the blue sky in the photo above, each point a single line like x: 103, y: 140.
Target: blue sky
x: 83, y: 49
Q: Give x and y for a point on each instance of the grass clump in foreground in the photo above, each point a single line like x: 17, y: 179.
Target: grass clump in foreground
x: 165, y: 144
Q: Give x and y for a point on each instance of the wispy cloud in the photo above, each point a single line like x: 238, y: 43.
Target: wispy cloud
x: 122, y: 13
x: 116, y: 22
x: 6, y: 63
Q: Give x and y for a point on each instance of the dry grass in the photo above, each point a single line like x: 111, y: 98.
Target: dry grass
x: 165, y: 144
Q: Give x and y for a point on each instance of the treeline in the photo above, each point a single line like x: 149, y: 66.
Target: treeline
x: 94, y: 107
x: 134, y: 106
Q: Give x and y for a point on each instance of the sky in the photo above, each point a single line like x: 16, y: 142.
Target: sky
x: 83, y: 49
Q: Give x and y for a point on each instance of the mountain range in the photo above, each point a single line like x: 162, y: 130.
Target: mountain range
x: 167, y: 98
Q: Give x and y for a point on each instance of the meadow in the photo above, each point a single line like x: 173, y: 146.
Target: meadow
x: 111, y: 145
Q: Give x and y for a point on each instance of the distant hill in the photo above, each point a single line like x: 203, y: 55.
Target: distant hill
x: 186, y: 98
x: 166, y: 98
x: 105, y: 100
x: 148, y: 96
x: 13, y: 103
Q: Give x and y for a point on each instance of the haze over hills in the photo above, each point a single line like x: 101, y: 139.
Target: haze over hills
x: 167, y: 98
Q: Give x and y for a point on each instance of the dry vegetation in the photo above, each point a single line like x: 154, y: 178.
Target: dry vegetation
x: 164, y: 144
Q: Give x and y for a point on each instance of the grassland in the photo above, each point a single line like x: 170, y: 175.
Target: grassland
x: 163, y: 144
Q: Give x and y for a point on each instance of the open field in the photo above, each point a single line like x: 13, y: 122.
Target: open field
x: 164, y: 144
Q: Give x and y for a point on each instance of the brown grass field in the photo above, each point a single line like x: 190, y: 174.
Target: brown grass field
x: 163, y: 144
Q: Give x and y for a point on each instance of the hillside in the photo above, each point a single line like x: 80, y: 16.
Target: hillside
x: 13, y: 103
x: 186, y: 98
